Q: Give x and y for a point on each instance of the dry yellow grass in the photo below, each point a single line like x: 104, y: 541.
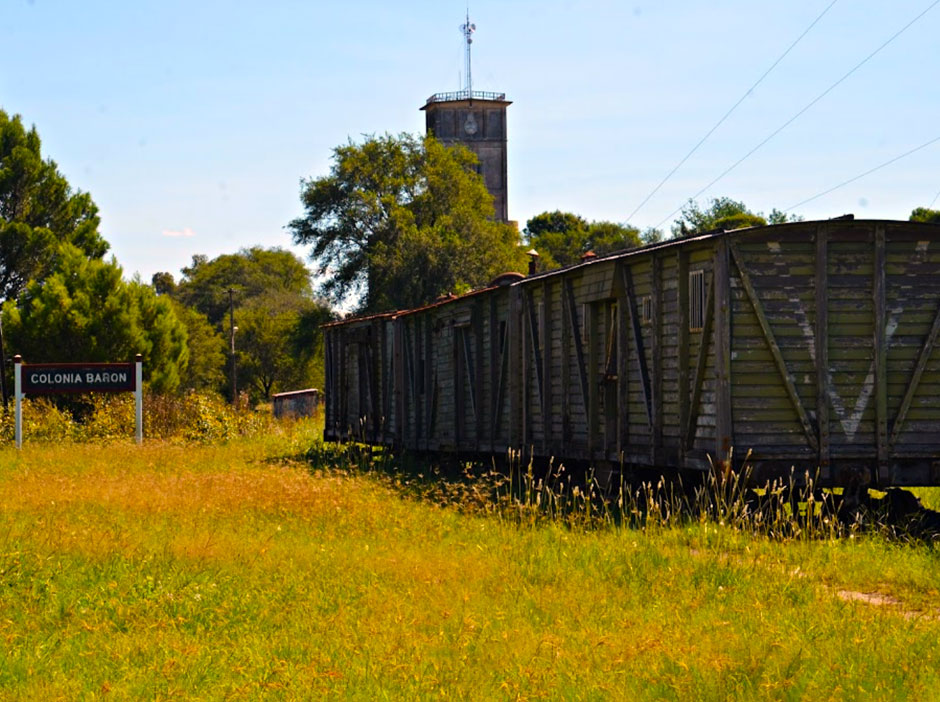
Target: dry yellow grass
x: 228, y: 572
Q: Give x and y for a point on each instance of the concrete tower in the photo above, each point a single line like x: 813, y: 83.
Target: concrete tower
x: 477, y: 120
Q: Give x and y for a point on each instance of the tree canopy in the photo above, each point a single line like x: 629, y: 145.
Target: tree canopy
x: 63, y: 302
x: 250, y: 273
x: 276, y: 347
x: 722, y: 213
x: 400, y: 221
x: 562, y: 238
x: 207, y: 349
x: 84, y: 310
x: 924, y: 214
x: 276, y: 313
x: 38, y: 210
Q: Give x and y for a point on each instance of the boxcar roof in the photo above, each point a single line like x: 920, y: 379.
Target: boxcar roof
x: 846, y: 220
x: 364, y: 318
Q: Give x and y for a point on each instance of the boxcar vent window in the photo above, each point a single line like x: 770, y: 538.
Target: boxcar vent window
x: 646, y: 312
x: 696, y: 300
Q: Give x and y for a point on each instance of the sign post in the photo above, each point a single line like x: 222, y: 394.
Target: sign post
x: 18, y: 392
x: 139, y: 398
x: 59, y: 378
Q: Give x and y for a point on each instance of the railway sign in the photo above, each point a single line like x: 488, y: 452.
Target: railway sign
x: 55, y: 378
x: 62, y: 378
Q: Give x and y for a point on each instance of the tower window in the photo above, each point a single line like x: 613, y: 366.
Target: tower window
x: 445, y: 124
x: 494, y: 124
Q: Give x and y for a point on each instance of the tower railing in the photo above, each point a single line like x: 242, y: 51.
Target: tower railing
x: 465, y: 95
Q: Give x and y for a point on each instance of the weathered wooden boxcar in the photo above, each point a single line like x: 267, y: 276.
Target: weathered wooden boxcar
x: 812, y: 345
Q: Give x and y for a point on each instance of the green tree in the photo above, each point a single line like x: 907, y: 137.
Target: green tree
x: 559, y: 237
x: 400, y: 221
x: 84, y: 310
x: 38, y: 210
x: 279, y: 342
x: 925, y: 214
x: 251, y: 273
x: 723, y: 213
x: 779, y: 217
x: 607, y: 237
x: 208, y: 354
x: 562, y: 238
x: 651, y: 235
x: 163, y: 283
x: 271, y: 355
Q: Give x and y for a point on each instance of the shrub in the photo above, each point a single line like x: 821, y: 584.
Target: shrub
x: 41, y: 420
x: 194, y: 416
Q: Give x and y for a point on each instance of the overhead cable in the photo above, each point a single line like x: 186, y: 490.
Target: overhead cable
x: 934, y: 199
x: 804, y: 109
x: 862, y: 175
x: 728, y: 113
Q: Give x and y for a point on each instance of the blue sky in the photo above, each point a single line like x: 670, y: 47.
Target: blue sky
x: 192, y: 123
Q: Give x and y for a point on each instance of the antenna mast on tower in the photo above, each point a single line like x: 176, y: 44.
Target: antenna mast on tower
x: 475, y: 119
x: 468, y: 29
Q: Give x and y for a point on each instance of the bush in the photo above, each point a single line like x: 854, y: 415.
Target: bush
x: 41, y: 420
x: 194, y: 416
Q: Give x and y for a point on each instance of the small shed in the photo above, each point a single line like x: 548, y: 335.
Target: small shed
x: 297, y: 403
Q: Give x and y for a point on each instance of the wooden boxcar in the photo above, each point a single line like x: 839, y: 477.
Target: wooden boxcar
x: 812, y: 345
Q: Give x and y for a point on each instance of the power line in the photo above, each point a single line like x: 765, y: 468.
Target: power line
x: 728, y: 113
x: 804, y: 109
x: 934, y: 199
x: 868, y: 172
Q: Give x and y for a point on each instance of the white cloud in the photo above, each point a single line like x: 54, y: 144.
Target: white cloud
x: 186, y: 232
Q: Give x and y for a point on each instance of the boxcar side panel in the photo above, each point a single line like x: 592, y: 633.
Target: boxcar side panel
x: 669, y: 359
x: 912, y: 330
x: 637, y: 276
x: 773, y: 368
x: 851, y: 330
x: 700, y: 428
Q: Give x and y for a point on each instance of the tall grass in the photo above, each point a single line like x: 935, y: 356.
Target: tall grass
x: 517, y: 491
x: 229, y: 570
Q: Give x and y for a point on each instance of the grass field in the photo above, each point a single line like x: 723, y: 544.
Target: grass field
x: 237, y: 571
